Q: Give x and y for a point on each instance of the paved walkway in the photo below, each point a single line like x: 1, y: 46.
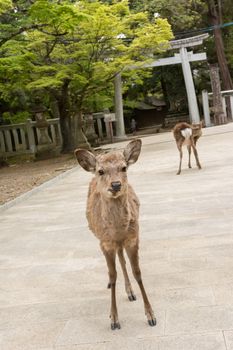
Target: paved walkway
x: 53, y: 277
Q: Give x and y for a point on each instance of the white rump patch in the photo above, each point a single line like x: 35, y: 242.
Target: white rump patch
x: 186, y: 133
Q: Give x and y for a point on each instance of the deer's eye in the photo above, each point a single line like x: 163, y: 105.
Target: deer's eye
x: 101, y: 172
x: 124, y: 168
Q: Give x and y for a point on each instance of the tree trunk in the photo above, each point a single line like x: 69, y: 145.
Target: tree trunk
x: 215, y: 20
x: 164, y: 88
x: 215, y: 15
x: 54, y: 108
x: 65, y: 121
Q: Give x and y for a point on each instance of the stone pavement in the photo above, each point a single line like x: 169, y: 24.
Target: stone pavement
x: 53, y: 276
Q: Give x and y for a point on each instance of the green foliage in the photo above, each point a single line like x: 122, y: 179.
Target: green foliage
x: 47, y: 45
x: 98, y: 101
x: 5, y: 5
x: 183, y: 14
x: 57, y: 18
x: 19, y: 117
x: 91, y: 51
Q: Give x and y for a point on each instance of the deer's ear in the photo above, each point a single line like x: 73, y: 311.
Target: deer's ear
x: 132, y: 151
x: 86, y: 159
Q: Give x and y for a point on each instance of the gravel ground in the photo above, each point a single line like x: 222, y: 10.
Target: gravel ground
x: 19, y: 178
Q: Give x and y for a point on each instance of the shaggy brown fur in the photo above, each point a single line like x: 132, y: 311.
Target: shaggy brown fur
x: 112, y: 214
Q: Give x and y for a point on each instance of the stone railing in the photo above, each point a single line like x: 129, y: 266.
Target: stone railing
x: 28, y: 138
x: 208, y: 108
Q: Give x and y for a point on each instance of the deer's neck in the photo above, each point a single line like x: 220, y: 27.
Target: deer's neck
x: 111, y: 206
x: 112, y: 218
x: 116, y: 211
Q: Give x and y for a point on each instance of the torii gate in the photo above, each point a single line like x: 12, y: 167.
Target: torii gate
x: 184, y: 58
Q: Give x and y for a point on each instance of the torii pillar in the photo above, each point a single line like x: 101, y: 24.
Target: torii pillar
x: 119, y: 115
x: 182, y: 45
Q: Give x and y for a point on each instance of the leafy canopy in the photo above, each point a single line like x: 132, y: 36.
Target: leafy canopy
x: 47, y: 44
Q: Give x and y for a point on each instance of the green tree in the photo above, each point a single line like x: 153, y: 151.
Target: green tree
x: 82, y: 58
x: 68, y: 53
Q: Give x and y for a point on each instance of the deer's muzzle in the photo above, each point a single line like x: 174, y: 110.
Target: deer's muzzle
x: 115, y: 186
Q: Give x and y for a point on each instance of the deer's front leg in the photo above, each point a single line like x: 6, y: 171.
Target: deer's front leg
x: 132, y: 253
x: 128, y: 287
x: 110, y: 256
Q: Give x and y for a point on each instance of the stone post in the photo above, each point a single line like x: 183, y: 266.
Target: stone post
x: 224, y: 105
x: 42, y: 125
x: 45, y: 146
x: 109, y: 118
x: 31, y: 138
x: 231, y: 102
x: 206, y: 110
x: 219, y: 115
x: 100, y: 129
x: 90, y: 129
x: 98, y: 117
x: 80, y: 138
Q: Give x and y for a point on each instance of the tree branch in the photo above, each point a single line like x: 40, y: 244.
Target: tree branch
x: 53, y: 34
x: 20, y: 31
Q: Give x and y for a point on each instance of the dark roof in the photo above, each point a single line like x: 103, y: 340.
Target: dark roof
x: 151, y: 102
x: 154, y: 101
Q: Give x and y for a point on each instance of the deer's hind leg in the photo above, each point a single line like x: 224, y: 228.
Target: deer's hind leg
x: 189, y: 152
x: 179, y: 146
x: 132, y: 252
x: 128, y: 287
x: 195, y: 153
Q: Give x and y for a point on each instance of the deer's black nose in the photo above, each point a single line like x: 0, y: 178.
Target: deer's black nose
x: 116, y: 186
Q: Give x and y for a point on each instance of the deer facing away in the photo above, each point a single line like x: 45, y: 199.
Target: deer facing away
x: 187, y: 134
x: 112, y: 214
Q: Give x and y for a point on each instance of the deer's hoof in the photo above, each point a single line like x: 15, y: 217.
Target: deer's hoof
x: 115, y: 325
x: 178, y: 173
x: 132, y: 297
x: 109, y: 285
x: 152, y: 322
